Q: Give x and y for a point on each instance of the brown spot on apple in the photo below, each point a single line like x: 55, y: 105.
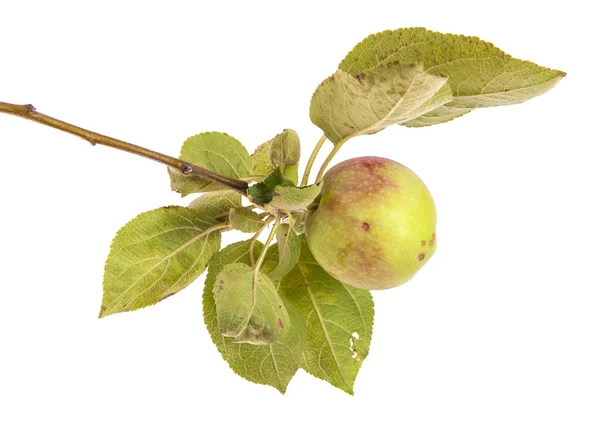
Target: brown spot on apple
x: 366, y: 227
x: 421, y: 256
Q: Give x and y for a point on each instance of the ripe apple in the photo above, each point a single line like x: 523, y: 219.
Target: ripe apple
x: 374, y: 226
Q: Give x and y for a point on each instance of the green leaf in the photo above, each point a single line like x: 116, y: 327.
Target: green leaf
x: 248, y: 307
x: 216, y: 152
x: 260, y: 160
x: 262, y: 166
x: 274, y: 364
x: 262, y: 193
x: 285, y: 149
x: 245, y: 220
x: 155, y: 255
x: 288, y: 247
x: 479, y: 74
x: 339, y: 321
x: 295, y: 199
x: 216, y: 204
x: 291, y: 174
x: 345, y: 105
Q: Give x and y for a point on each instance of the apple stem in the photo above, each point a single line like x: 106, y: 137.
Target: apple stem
x: 311, y: 160
x: 335, y: 150
x: 186, y: 168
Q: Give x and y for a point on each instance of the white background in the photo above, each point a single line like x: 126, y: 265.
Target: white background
x: 501, y: 326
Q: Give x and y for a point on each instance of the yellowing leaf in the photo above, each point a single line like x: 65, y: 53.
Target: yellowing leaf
x: 345, y: 105
x: 262, y: 166
x: 285, y: 149
x: 260, y: 160
x: 244, y: 220
x: 288, y: 247
x: 155, y: 255
x: 273, y: 364
x: 248, y: 307
x: 216, y: 152
x: 216, y: 204
x: 479, y: 74
x: 289, y: 198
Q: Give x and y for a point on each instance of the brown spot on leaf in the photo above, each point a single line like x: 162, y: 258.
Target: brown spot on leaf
x: 170, y: 208
x: 166, y: 296
x: 280, y: 322
x: 430, y: 243
x: 421, y: 256
x: 366, y: 227
x: 423, y: 243
x: 433, y: 236
x: 219, y: 286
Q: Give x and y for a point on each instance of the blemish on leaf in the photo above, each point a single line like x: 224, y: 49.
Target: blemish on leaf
x: 280, y: 322
x: 166, y: 296
x: 366, y: 227
x: 430, y: 242
x: 421, y: 256
x: 170, y: 208
x: 218, y: 286
x: 423, y: 243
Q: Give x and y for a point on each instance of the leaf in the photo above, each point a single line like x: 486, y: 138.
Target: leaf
x: 248, y: 307
x: 245, y: 220
x: 262, y: 166
x: 288, y: 247
x: 285, y: 149
x: 260, y: 160
x: 216, y: 152
x: 339, y: 321
x: 347, y: 105
x: 216, y: 204
x: 156, y: 255
x: 479, y: 74
x: 291, y: 174
x: 262, y: 193
x: 295, y: 199
x: 274, y: 364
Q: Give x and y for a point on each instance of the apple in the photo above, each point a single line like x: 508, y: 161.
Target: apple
x: 374, y: 226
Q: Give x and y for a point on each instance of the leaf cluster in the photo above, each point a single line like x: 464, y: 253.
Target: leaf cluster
x: 269, y: 307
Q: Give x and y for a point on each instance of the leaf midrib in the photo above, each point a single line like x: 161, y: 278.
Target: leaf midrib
x: 168, y: 257
x: 374, y: 125
x: 328, y: 339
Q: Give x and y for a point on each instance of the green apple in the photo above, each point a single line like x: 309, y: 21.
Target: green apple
x: 374, y: 226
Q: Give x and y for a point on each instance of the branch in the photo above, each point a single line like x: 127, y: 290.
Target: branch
x: 29, y: 112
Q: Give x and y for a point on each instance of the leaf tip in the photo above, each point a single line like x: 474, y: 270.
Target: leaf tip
x: 102, y: 313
